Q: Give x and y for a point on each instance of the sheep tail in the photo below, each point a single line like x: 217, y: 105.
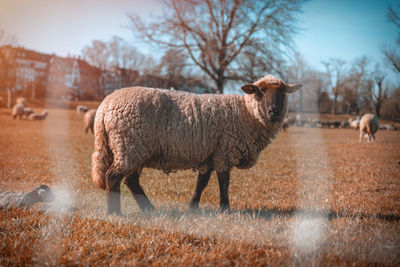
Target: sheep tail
x: 102, y: 157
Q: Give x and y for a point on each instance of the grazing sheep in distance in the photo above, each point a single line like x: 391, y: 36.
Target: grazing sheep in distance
x: 345, y: 124
x: 21, y: 100
x: 285, y: 124
x: 88, y: 120
x: 369, y: 125
x: 389, y: 127
x: 36, y: 116
x: 41, y: 193
x: 173, y: 130
x: 81, y: 109
x: 27, y: 112
x: 18, y: 111
x: 354, y: 123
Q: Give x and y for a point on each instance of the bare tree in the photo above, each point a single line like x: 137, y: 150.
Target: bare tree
x: 124, y: 55
x: 392, y: 53
x: 97, y: 54
x: 214, y: 32
x: 377, y: 95
x: 297, y: 71
x: 354, y: 83
x: 335, y: 71
x: 7, y: 39
x: 317, y: 83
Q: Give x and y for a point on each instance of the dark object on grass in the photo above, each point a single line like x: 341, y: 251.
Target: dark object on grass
x: 41, y: 193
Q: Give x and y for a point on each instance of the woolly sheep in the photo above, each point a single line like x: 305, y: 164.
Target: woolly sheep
x: 18, y: 111
x: 81, y: 109
x: 41, y: 193
x: 88, y: 120
x: 171, y: 130
x: 369, y: 125
x: 354, y: 123
x: 21, y: 100
x: 27, y: 112
x: 37, y: 116
x: 344, y: 124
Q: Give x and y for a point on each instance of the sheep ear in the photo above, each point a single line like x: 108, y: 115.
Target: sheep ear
x: 250, y: 89
x: 291, y: 88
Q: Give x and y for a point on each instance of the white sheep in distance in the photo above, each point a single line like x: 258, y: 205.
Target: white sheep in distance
x: 81, y: 109
x: 172, y: 130
x: 37, y: 116
x: 369, y: 125
x: 354, y: 123
x: 88, y: 119
x: 27, y: 111
x: 42, y: 193
x: 286, y: 123
x: 21, y: 100
x: 18, y: 111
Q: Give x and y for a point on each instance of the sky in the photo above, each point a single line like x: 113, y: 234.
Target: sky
x: 346, y: 29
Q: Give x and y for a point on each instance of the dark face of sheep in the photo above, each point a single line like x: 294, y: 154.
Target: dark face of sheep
x: 272, y: 96
x: 45, y: 194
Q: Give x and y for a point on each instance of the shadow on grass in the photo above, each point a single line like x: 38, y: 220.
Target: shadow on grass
x: 271, y: 213
x: 268, y: 214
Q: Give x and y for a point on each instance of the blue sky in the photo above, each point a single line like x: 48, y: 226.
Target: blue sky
x: 344, y: 29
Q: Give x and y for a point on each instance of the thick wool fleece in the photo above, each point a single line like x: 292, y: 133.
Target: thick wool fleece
x: 369, y: 124
x: 170, y: 130
x: 18, y: 110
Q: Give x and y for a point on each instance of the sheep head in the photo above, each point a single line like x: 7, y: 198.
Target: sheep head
x: 45, y: 194
x: 270, y: 92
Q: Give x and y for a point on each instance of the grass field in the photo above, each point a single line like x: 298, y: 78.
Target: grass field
x: 315, y: 197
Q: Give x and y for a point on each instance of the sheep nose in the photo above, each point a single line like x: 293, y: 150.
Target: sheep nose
x: 272, y: 111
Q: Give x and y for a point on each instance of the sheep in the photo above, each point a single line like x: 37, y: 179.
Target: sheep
x: 369, y: 125
x: 37, y: 116
x: 88, y: 120
x: 41, y: 193
x: 81, y: 109
x: 354, y: 123
x: 27, y: 112
x: 285, y: 124
x: 173, y: 130
x: 21, y: 100
x: 18, y: 111
x: 344, y: 124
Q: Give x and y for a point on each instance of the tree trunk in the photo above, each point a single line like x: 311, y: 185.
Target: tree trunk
x: 334, y: 104
x: 378, y: 109
x: 33, y: 92
x: 220, y: 85
x: 9, y: 97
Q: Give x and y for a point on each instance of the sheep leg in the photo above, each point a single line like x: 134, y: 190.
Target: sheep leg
x: 113, y: 191
x: 202, y: 181
x: 223, y: 181
x: 137, y: 192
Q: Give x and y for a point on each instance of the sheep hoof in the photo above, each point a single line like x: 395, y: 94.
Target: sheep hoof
x: 193, y: 204
x: 224, y: 208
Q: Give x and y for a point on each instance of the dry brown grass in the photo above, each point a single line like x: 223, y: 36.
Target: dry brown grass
x: 315, y: 197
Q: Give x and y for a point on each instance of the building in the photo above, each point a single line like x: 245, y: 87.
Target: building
x: 24, y: 71
x: 73, y: 79
x: 31, y: 74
